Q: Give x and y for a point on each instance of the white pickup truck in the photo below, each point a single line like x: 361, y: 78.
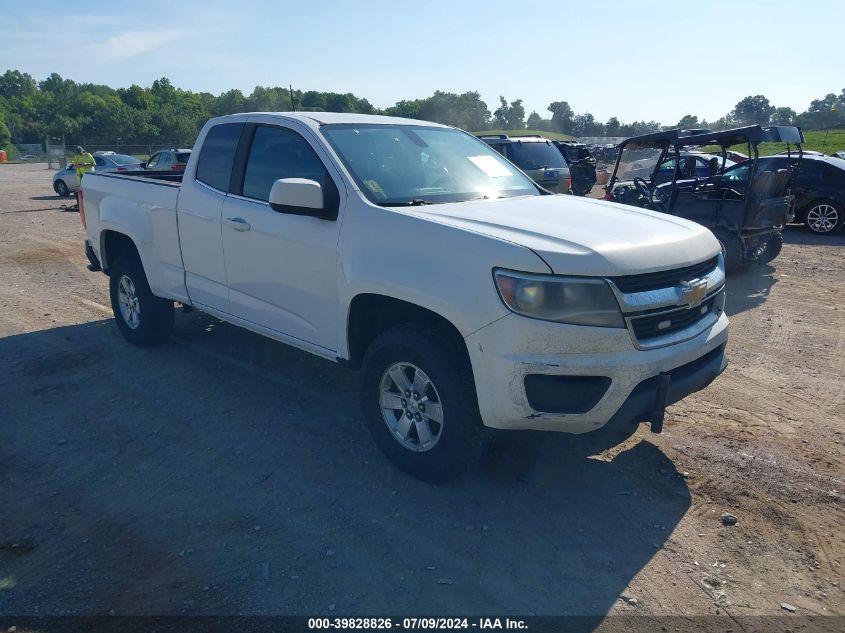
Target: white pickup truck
x: 467, y: 295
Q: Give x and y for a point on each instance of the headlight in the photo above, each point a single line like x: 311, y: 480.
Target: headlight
x: 571, y: 300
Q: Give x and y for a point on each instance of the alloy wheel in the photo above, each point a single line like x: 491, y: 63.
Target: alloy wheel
x: 411, y: 407
x: 822, y: 218
x: 130, y: 308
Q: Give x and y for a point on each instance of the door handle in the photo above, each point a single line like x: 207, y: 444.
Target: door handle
x: 239, y: 224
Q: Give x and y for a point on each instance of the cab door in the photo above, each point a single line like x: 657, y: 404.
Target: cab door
x: 281, y: 268
x: 200, y: 207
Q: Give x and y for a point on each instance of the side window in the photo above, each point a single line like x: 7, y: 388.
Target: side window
x: 99, y: 162
x: 278, y: 152
x: 214, y: 167
x: 154, y: 159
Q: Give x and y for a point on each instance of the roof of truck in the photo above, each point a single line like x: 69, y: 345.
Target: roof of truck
x: 315, y: 119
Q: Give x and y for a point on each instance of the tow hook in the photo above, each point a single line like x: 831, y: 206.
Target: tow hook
x: 660, y: 402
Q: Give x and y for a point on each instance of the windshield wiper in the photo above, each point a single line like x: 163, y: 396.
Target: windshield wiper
x: 416, y: 202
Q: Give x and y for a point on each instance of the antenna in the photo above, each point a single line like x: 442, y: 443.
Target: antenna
x: 292, y: 102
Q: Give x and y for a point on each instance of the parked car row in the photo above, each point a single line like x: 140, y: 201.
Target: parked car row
x: 65, y: 182
x: 558, y: 166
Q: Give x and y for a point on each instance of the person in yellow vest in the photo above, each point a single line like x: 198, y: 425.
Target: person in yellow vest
x: 83, y: 162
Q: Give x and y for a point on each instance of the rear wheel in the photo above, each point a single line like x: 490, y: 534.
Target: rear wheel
x: 824, y: 217
x: 419, y: 403
x: 142, y: 318
x: 61, y: 188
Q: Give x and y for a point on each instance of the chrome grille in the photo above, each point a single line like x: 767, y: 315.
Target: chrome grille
x: 653, y: 325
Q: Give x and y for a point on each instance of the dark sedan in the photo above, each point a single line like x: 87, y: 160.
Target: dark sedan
x: 819, y: 189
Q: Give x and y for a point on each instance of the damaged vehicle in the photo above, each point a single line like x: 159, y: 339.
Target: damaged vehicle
x: 746, y: 215
x: 465, y: 294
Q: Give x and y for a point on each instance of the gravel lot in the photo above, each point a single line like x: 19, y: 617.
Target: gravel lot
x: 224, y: 473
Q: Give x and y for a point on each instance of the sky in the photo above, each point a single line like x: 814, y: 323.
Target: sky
x: 640, y: 60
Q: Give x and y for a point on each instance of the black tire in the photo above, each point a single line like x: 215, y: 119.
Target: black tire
x: 732, y: 249
x: 824, y: 217
x: 155, y: 316
x: 460, y: 436
x: 61, y: 188
x: 771, y: 250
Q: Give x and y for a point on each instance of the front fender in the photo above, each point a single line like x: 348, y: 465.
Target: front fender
x: 435, y: 266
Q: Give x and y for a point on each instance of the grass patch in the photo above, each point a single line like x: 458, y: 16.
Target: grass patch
x: 553, y: 136
x: 825, y: 141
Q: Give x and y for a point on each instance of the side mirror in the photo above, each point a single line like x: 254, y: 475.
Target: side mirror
x: 300, y: 196
x: 143, y: 165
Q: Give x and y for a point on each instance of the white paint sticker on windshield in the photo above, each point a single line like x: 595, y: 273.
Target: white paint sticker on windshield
x: 490, y: 166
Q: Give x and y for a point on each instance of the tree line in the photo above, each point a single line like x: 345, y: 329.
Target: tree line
x: 57, y: 108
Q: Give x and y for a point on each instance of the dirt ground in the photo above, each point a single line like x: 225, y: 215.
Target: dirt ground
x: 224, y: 473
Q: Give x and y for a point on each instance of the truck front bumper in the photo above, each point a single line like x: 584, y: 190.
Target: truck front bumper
x: 538, y: 375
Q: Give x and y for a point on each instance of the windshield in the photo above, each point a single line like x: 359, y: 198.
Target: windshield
x: 408, y: 164
x: 638, y: 161
x: 535, y: 155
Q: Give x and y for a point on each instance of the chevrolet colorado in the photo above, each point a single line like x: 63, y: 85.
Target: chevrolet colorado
x: 467, y: 296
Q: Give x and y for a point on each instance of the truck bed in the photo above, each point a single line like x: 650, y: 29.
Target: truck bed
x: 141, y: 204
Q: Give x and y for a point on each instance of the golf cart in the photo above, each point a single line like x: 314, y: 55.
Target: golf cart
x: 744, y: 207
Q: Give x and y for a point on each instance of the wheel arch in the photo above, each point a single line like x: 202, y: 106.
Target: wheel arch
x: 371, y: 314
x: 113, y: 244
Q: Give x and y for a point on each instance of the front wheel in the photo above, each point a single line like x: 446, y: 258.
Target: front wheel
x: 142, y: 318
x: 824, y: 217
x: 419, y: 403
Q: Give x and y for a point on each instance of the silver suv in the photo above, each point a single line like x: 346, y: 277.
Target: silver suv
x: 537, y: 157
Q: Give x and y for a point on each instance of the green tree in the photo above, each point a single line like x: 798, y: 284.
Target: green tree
x: 14, y: 83
x: 784, y: 116
x: 824, y: 113
x: 562, y: 116
x: 229, y: 102
x: 535, y: 121
x: 688, y: 122
x: 509, y: 116
x: 613, y: 127
x: 406, y: 109
x: 753, y: 110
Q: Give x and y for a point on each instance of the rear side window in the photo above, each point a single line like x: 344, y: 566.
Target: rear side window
x: 278, y: 152
x: 217, y: 155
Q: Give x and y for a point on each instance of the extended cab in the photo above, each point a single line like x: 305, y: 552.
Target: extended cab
x: 467, y: 295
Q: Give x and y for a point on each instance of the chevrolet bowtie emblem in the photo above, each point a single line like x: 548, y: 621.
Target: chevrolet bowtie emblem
x: 693, y: 292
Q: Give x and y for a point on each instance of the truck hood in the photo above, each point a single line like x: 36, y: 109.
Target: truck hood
x: 582, y: 236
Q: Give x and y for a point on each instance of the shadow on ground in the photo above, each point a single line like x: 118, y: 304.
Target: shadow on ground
x: 56, y: 198
x: 223, y: 473
x: 798, y: 234
x: 749, y: 287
